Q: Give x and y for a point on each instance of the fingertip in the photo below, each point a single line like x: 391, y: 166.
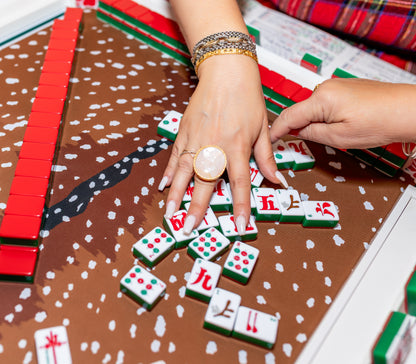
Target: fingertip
x: 282, y: 179
x: 163, y: 183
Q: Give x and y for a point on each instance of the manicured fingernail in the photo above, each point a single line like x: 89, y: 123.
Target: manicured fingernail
x: 282, y: 179
x: 163, y: 183
x: 241, y: 225
x: 170, y: 209
x: 189, y: 224
x: 294, y: 132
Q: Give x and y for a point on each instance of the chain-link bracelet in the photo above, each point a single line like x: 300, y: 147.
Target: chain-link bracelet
x: 228, y: 42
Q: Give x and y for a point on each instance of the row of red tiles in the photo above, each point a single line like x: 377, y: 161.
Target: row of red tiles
x: 141, y: 13
x: 23, y: 215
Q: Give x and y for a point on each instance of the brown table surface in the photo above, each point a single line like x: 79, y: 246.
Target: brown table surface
x: 120, y: 89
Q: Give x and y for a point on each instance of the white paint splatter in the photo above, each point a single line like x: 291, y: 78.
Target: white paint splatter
x: 133, y: 329
x: 310, y: 244
x: 160, y: 326
x: 261, y: 300
x: 310, y: 302
x: 112, y: 325
x: 299, y: 319
x: 211, y: 347
x: 155, y: 346
x: 95, y: 346
x: 362, y: 190
x: 279, y: 267
x: 319, y: 266
x: 320, y: 187
x: 242, y: 357
x: 287, y: 349
x: 368, y: 206
x: 336, y: 165
x: 338, y: 240
x: 339, y: 179
x: 172, y: 347
x: 301, y: 338
x: 328, y: 282
x: 25, y: 294
x: 40, y: 316
x: 267, y: 285
x: 278, y: 249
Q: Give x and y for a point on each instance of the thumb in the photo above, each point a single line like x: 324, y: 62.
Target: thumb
x: 296, y: 117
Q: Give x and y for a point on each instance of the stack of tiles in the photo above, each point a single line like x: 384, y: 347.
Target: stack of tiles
x: 394, y: 343
x: 22, y: 220
x: 410, y: 295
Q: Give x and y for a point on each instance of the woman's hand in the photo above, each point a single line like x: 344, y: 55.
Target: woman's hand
x: 227, y: 109
x: 352, y: 113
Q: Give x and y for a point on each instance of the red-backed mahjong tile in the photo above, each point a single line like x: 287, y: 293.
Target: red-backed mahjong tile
x: 267, y: 206
x: 290, y: 205
x: 255, y: 175
x: 203, y: 279
x: 187, y: 197
x: 240, y: 262
x: 222, y: 311
x: 169, y: 126
x: 221, y: 198
x: 52, y: 345
x: 174, y: 226
x: 154, y: 246
x: 209, y: 220
x: 282, y: 155
x: 255, y: 326
x: 209, y: 245
x: 320, y: 213
x: 302, y: 155
x: 143, y: 287
x: 229, y: 229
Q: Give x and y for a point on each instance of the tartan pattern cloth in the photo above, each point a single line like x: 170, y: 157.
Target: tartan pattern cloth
x: 389, y: 22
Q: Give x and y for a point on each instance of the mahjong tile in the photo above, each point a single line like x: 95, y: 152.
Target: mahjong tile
x: 255, y: 326
x: 169, y: 126
x: 320, y: 213
x: 221, y: 198
x: 154, y: 246
x: 229, y: 229
x: 282, y: 155
x: 267, y: 206
x: 222, y: 311
x: 209, y: 220
x: 52, y: 345
x: 203, y: 279
x: 396, y: 340
x: 304, y: 158
x: 240, y: 262
x: 188, y: 194
x: 255, y: 175
x: 209, y: 245
x: 290, y: 205
x: 143, y: 287
x: 175, y: 227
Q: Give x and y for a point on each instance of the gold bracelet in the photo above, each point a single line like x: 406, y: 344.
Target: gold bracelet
x: 225, y: 51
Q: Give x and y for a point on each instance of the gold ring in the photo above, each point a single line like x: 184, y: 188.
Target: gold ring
x: 187, y: 151
x: 316, y: 87
x: 210, y: 162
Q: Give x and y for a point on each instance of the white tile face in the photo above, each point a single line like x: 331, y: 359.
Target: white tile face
x: 255, y: 175
x: 189, y: 192
x: 242, y: 259
x: 220, y: 195
x: 320, y: 210
x: 171, y: 122
x: 266, y: 201
x: 222, y: 309
x: 282, y: 153
x: 176, y: 227
x: 229, y: 228
x: 209, y: 244
x: 290, y: 202
x: 154, y: 244
x: 143, y: 284
x: 204, y: 277
x: 300, y: 151
x: 52, y: 343
x: 256, y: 324
x: 209, y: 220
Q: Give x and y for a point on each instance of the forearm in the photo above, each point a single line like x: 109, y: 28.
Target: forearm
x: 198, y: 19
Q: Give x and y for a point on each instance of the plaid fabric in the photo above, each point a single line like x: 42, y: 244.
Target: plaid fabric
x: 388, y: 22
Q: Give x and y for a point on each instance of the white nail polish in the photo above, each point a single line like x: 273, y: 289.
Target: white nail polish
x: 170, y: 209
x: 189, y: 224
x: 282, y: 179
x: 163, y: 183
x: 241, y: 225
